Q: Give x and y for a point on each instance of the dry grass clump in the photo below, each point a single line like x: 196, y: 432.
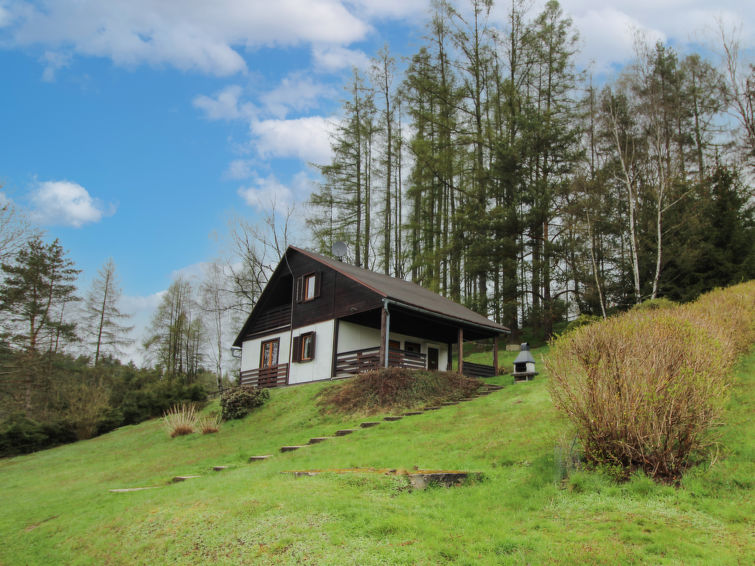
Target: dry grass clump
x: 209, y: 424
x: 180, y: 420
x: 644, y: 389
x: 385, y: 389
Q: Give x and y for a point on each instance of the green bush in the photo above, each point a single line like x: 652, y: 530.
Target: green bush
x: 21, y: 435
x: 239, y: 402
x: 644, y: 390
x: 655, y: 304
x: 582, y: 320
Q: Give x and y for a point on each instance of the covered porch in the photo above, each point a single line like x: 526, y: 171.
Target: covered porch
x: 409, y: 337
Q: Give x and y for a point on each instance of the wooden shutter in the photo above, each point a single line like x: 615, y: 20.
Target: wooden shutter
x: 318, y: 279
x: 313, y: 346
x: 299, y: 289
x: 297, y: 349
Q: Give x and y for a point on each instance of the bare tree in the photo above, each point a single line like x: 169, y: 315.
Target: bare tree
x: 256, y: 250
x: 740, y: 88
x: 102, y: 315
x: 15, y: 229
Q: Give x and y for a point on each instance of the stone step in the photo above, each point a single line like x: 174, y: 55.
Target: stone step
x: 219, y: 468
x: 259, y: 458
x: 391, y: 419
x: 183, y: 478
x: 369, y: 424
x: 412, y: 413
x: 290, y: 448
x: 345, y: 431
x: 318, y: 439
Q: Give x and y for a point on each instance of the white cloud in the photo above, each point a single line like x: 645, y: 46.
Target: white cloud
x: 239, y: 169
x: 192, y: 34
x: 54, y: 61
x: 295, y: 92
x: 606, y: 29
x: 63, y: 203
x: 307, y: 138
x: 607, y: 36
x: 224, y: 105
x: 267, y: 194
x: 133, y: 304
x: 335, y: 58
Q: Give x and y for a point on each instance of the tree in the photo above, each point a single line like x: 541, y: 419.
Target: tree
x: 102, y: 316
x: 176, y: 332
x: 341, y: 208
x: 37, y: 285
x: 15, y: 230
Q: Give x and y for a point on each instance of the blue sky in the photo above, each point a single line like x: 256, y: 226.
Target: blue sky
x: 136, y: 129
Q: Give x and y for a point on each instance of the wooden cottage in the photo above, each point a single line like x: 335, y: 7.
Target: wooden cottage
x: 319, y: 318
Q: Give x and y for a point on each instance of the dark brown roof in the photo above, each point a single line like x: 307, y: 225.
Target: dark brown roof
x: 405, y: 292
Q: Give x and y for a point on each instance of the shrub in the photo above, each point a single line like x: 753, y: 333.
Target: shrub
x: 384, y: 389
x: 180, y: 420
x: 582, y: 320
x: 20, y: 434
x: 655, y: 304
x: 644, y: 389
x: 239, y: 401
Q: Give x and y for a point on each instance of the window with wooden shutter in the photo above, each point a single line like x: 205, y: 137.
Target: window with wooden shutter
x: 304, y: 347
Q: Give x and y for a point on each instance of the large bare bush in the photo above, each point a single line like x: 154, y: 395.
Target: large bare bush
x: 644, y: 389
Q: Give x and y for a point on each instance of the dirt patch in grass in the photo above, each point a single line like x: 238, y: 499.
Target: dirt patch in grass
x: 384, y: 390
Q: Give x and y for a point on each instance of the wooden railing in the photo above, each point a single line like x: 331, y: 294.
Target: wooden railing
x: 272, y: 376
x: 278, y: 317
x: 478, y: 370
x: 358, y: 361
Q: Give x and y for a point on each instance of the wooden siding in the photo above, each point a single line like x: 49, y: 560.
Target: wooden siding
x: 272, y: 376
x: 338, y: 295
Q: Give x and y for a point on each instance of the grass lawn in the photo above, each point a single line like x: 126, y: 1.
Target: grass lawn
x: 56, y: 507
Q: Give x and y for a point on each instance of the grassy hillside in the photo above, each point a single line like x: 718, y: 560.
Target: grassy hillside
x: 56, y: 507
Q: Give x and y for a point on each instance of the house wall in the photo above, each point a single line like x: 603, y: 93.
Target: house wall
x: 298, y: 372
x: 356, y: 337
x: 250, y: 350
x: 322, y: 364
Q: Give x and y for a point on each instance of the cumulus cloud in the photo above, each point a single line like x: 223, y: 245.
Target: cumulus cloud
x: 239, y: 169
x: 224, y: 105
x: 54, y: 61
x: 192, y: 34
x: 63, y: 203
x: 295, y: 92
x: 335, y: 58
x: 303, y: 138
x: 267, y: 193
x: 607, y: 29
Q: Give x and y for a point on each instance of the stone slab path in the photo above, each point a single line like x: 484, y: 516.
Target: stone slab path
x: 418, y: 480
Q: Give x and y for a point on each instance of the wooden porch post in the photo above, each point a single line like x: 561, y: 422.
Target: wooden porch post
x: 495, y: 354
x: 461, y: 350
x: 450, y: 362
x: 383, y: 356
